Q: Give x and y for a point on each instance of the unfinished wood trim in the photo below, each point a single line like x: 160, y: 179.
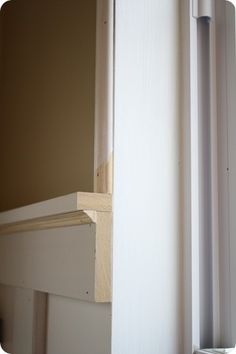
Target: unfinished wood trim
x: 48, y: 222
x: 103, y: 252
x: 103, y: 178
x: 64, y: 204
x: 103, y: 146
x: 103, y: 257
x: 94, y: 201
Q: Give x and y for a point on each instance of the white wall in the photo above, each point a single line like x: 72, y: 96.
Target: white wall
x: 76, y: 327
x: 147, y: 284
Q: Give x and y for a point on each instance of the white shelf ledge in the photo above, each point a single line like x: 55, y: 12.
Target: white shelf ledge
x: 61, y: 246
x: 65, y: 204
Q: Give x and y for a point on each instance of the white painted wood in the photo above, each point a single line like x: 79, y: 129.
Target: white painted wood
x: 205, y: 184
x: 203, y: 8
x: 147, y: 246
x: 64, y: 204
x: 103, y: 144
x: 191, y: 177
x: 23, y: 322
x: 44, y: 242
x: 59, y: 261
x: 209, y: 317
x: 192, y: 342
x: 214, y: 189
x: 29, y: 328
x: 58, y: 205
x: 221, y: 75
x: 76, y: 327
x: 224, y: 64
x: 231, y: 105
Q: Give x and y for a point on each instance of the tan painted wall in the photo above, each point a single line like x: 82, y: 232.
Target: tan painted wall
x: 46, y: 99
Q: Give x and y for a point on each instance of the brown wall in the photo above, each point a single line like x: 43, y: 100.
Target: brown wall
x: 46, y: 99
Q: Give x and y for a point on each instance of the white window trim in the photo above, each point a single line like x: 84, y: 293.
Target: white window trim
x: 222, y: 251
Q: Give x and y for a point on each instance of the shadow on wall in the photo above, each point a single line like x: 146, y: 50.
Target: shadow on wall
x: 47, y: 69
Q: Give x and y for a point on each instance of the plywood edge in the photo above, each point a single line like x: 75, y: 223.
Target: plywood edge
x: 103, y: 256
x: 60, y: 205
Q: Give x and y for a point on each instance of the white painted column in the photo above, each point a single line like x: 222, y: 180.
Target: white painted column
x: 147, y: 263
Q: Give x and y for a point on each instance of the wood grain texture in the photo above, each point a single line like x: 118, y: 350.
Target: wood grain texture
x: 94, y: 201
x: 103, y: 179
x: 103, y: 260
x: 48, y: 222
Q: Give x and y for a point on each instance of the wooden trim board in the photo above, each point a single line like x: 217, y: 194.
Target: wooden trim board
x: 47, y: 222
x: 103, y: 262
x: 67, y: 254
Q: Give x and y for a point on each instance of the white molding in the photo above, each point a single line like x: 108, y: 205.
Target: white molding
x: 103, y: 144
x: 59, y: 205
x: 202, y: 8
x: 191, y: 180
x: 231, y: 108
x: 221, y: 254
